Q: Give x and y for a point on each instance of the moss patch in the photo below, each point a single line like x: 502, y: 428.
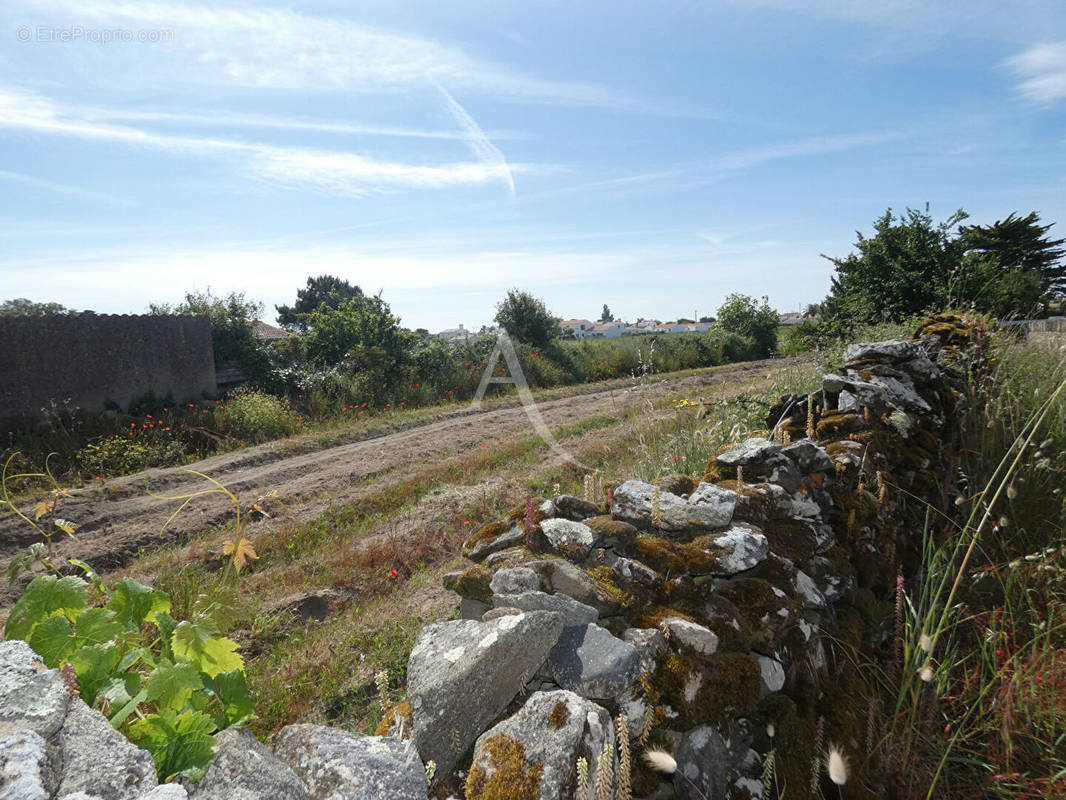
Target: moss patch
x: 508, y: 776
x: 389, y: 718
x: 558, y: 715
x: 472, y: 583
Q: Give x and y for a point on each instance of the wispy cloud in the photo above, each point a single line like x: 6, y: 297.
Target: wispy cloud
x: 1041, y: 71
x: 237, y: 44
x: 337, y: 172
x: 34, y: 182
x: 479, y: 143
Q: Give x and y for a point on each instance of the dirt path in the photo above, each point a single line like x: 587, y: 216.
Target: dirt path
x: 119, y: 519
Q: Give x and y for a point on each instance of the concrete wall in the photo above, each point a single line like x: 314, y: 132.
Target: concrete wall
x: 95, y: 359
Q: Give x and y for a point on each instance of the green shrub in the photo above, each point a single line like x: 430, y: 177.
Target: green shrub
x: 256, y: 417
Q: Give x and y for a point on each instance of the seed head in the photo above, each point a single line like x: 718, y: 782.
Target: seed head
x: 660, y: 761
x: 926, y: 673
x: 925, y: 643
x: 836, y: 765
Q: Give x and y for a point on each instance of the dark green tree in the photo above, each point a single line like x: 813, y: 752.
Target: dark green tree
x: 605, y: 315
x: 905, y: 268
x: 1011, y: 268
x: 325, y: 290
x: 743, y: 315
x: 21, y: 307
x: 527, y: 319
x: 357, y: 322
x: 233, y: 336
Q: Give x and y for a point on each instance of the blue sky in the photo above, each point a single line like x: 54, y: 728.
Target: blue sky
x: 652, y: 156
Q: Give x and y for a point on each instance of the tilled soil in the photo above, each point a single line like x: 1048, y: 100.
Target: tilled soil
x: 119, y: 520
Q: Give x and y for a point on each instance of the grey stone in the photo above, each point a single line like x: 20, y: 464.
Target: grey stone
x: 245, y: 769
x: 827, y: 579
x: 593, y: 663
x: 469, y: 608
x: 632, y: 502
x: 462, y: 674
x: 888, y: 350
x: 29, y: 766
x: 547, y: 508
x: 772, y: 673
x: 571, y: 611
x: 339, y: 765
x: 480, y: 550
x: 687, y: 635
x: 499, y: 611
x: 881, y: 393
x: 712, y: 761
x: 171, y: 791
x: 554, y: 729
x: 565, y: 578
x: 515, y: 580
x: 808, y: 456
x: 97, y: 759
x: 650, y: 643
x: 567, y: 533
x: 780, y: 470
x: 763, y: 502
x: 813, y: 596
x: 32, y: 696
x: 746, y: 546
x: 717, y: 502
x: 749, y: 452
x: 576, y: 508
x: 636, y: 576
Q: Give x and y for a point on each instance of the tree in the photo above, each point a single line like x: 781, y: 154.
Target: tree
x: 742, y: 315
x: 233, y: 336
x: 325, y: 290
x: 1011, y: 267
x: 605, y: 315
x: 357, y: 322
x: 707, y: 319
x: 905, y: 268
x: 21, y: 307
x: 527, y: 319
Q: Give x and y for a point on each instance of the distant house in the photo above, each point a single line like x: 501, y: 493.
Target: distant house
x: 669, y: 327
x: 270, y: 333
x: 608, y: 330
x: 579, y: 327
x: 696, y: 326
x: 791, y: 318
x: 459, y: 334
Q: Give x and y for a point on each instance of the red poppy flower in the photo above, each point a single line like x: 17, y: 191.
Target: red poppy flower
x: 393, y: 573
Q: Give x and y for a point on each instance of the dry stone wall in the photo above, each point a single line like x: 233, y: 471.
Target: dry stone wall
x: 705, y: 614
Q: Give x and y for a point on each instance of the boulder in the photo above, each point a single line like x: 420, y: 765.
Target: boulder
x: 808, y: 456
x: 566, y: 535
x: 571, y: 611
x: 706, y: 509
x: 772, y: 673
x: 491, y: 538
x: 245, y: 769
x: 565, y: 578
x: 462, y: 674
x: 593, y: 663
x: 576, y: 508
x: 339, y: 765
x: 29, y: 766
x: 99, y: 760
x: 749, y: 452
x: 710, y: 761
x: 536, y: 749
x: 650, y: 643
x: 32, y: 697
x: 744, y: 548
x: 515, y: 581
x: 888, y: 350
x: 686, y: 635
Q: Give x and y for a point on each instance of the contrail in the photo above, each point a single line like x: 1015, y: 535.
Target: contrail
x: 480, y: 143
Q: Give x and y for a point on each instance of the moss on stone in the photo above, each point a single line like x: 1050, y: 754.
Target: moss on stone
x: 558, y: 716
x: 472, y: 583
x: 389, y: 718
x: 607, y: 582
x: 610, y: 528
x: 677, y: 484
x: 835, y: 423
x: 508, y: 776
x: 708, y: 689
x: 792, y: 539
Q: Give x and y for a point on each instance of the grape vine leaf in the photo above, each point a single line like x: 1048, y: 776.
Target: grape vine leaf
x: 134, y: 603
x: 45, y: 596
x: 171, y: 685
x: 96, y: 626
x: 94, y: 666
x: 180, y: 744
x: 231, y: 689
x: 197, y: 643
x: 52, y: 640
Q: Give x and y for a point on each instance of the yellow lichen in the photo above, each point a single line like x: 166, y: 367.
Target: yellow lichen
x: 507, y: 775
x: 560, y: 713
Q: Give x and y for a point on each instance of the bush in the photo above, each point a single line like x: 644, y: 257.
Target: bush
x: 256, y: 417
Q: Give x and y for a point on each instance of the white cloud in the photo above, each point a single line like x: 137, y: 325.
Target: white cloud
x: 1041, y: 71
x: 237, y: 44
x: 332, y: 171
x: 480, y: 144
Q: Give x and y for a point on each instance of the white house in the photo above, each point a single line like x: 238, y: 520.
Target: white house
x: 669, y: 327
x: 696, y: 326
x: 608, y: 330
x: 579, y: 327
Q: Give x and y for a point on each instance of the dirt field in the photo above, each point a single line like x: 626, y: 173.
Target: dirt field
x: 119, y: 520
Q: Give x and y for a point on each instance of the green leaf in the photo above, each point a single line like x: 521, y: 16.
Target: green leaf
x: 94, y: 666
x: 180, y: 744
x: 46, y: 595
x: 22, y: 560
x: 166, y: 624
x: 133, y: 656
x: 96, y: 626
x: 119, y: 690
x: 231, y: 689
x: 120, y: 716
x: 53, y: 641
x: 211, y: 654
x: 170, y: 685
x: 134, y: 603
